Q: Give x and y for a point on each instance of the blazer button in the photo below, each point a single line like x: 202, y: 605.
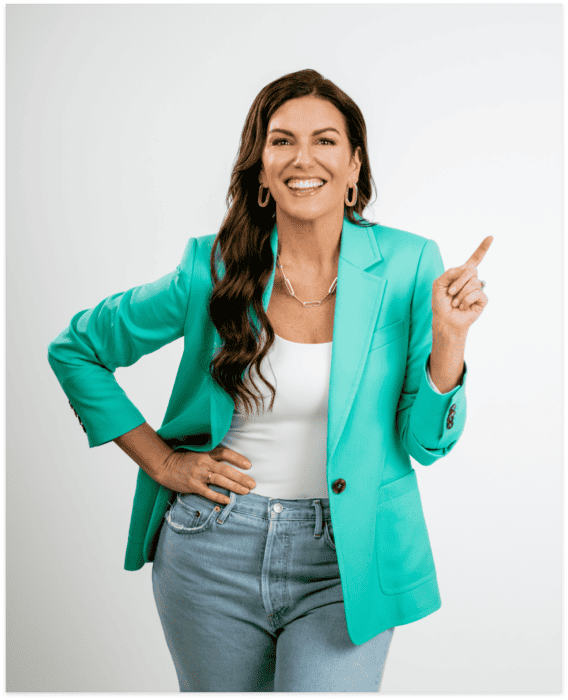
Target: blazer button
x: 338, y: 485
x: 453, y: 408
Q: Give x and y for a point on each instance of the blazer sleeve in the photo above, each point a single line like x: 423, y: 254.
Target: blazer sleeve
x: 429, y: 423
x: 116, y: 333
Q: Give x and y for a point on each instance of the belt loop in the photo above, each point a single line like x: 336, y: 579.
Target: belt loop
x: 318, y: 530
x: 224, y: 514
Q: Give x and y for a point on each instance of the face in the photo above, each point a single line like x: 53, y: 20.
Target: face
x: 307, y: 142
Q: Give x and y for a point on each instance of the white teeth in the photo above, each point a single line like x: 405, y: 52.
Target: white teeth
x: 304, y: 184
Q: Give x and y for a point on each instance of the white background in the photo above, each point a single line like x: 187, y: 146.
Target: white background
x: 123, y: 122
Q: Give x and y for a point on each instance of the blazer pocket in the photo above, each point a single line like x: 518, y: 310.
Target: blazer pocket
x: 387, y: 334
x: 404, y: 555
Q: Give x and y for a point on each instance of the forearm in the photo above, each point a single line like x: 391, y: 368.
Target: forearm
x: 146, y: 448
x: 447, y: 358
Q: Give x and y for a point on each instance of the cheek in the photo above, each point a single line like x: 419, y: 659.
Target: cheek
x: 272, y: 165
x: 337, y: 165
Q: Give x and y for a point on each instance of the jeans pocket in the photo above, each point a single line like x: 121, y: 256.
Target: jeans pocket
x: 328, y: 535
x: 191, y: 514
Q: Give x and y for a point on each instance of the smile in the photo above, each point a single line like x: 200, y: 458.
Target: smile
x: 304, y: 187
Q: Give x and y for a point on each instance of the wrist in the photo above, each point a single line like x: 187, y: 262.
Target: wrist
x: 448, y: 333
x: 446, y: 362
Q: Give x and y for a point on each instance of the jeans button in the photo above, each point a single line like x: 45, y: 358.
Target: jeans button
x: 278, y: 507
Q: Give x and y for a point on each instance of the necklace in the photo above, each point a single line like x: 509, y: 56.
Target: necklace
x: 305, y: 303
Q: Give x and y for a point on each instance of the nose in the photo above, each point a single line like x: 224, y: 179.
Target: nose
x: 303, y: 155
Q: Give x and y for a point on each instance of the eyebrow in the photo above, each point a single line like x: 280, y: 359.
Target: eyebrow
x: 315, y: 133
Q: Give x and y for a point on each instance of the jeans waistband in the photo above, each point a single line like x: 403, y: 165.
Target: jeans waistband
x: 266, y: 508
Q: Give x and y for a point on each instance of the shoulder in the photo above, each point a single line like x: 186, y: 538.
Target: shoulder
x: 199, y: 248
x: 205, y: 243
x: 407, y: 252
x: 195, y: 262
x: 396, y: 239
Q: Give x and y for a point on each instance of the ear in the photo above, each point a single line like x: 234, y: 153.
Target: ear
x: 356, y: 163
x: 261, y: 176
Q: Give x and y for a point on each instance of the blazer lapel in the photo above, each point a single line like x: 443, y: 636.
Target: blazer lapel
x: 357, y: 306
x: 359, y: 296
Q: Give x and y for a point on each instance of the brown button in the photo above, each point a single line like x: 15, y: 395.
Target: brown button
x: 450, y: 423
x: 338, y: 485
x: 453, y: 408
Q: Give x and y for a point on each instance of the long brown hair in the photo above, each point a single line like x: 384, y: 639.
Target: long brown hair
x: 244, y: 237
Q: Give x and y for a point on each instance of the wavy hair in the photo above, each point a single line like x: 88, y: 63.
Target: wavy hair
x: 244, y: 237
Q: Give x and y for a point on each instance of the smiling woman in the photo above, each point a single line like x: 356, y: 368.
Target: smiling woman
x: 290, y: 577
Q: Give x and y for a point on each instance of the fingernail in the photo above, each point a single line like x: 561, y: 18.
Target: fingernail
x: 455, y: 302
x: 452, y: 290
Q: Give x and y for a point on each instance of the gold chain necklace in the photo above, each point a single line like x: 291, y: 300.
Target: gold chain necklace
x: 305, y: 303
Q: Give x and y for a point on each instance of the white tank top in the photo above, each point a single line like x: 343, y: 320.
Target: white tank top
x: 288, y: 445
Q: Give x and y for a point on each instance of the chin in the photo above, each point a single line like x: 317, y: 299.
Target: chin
x: 306, y: 213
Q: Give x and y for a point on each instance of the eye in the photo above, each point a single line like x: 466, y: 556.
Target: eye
x: 277, y: 141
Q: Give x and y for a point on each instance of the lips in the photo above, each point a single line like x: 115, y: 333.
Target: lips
x: 303, y: 192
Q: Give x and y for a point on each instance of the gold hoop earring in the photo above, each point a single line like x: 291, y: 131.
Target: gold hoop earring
x: 347, y: 200
x: 260, y: 202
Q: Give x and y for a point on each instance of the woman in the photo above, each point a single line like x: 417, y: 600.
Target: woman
x: 287, y: 542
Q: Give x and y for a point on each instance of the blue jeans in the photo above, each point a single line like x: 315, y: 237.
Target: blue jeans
x: 249, y: 596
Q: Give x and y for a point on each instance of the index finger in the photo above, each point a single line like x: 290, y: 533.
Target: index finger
x: 479, y: 254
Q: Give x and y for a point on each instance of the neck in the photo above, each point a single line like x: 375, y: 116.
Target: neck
x: 314, y: 244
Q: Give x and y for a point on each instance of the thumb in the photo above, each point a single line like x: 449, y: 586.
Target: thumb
x: 450, y: 275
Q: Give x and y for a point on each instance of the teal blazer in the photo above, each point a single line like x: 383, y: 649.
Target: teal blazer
x: 381, y: 410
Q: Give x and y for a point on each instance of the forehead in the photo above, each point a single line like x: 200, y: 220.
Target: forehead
x: 307, y: 113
